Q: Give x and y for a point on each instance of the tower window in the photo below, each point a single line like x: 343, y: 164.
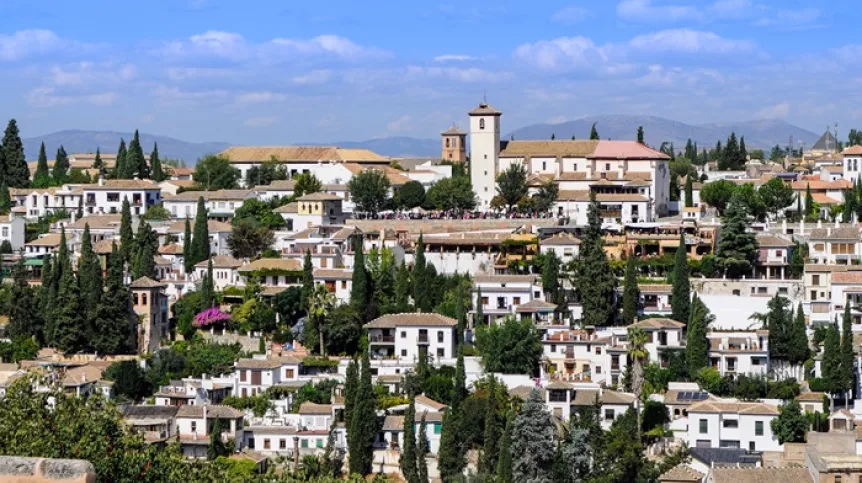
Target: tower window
x: 447, y: 142
x: 481, y: 124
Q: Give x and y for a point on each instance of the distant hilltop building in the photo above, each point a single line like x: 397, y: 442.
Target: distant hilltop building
x: 825, y: 145
x: 631, y: 180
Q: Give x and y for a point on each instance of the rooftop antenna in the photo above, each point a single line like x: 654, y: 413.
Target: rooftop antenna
x: 485, y: 96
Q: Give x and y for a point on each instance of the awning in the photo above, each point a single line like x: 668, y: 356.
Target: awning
x: 34, y: 262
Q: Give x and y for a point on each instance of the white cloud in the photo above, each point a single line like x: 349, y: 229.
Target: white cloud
x: 571, y: 15
x: 790, y: 19
x: 172, y: 96
x: 45, y: 97
x: 647, y: 11
x: 777, y: 111
x: 27, y: 43
x: 562, y: 53
x: 402, y: 124
x: 314, y: 77
x: 192, y: 73
x: 472, y: 74
x: 90, y: 73
x: 453, y: 58
x: 335, y: 45
x: 261, y: 121
x: 260, y: 97
x: 689, y: 42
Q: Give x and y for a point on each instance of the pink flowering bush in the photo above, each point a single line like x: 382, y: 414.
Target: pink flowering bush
x: 209, y: 317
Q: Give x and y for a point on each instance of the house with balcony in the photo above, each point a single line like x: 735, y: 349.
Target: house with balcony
x: 565, y: 246
x: 655, y: 299
x: 501, y: 295
x: 739, y: 352
x: 564, y: 400
x: 817, y: 292
x: 106, y: 197
x: 273, y: 274
x: 835, y: 245
x: 577, y: 355
x: 221, y: 204
x: 313, y: 210
x: 46, y: 244
x: 157, y: 424
x: 742, y: 425
x: 846, y: 288
x: 195, y: 424
x: 409, y: 336
x: 37, y: 203
x: 663, y: 335
x: 657, y: 239
x: 218, y: 232
x: 225, y: 271
x: 773, y: 256
x: 194, y: 391
x: 338, y: 281
x: 326, y: 252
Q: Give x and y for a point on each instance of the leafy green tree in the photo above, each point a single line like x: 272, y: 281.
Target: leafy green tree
x: 411, y: 195
x: 776, y: 196
x: 60, y: 171
x: 595, y: 279
x: 594, y: 134
x: 188, y: 258
x: 717, y: 194
x: 512, y: 185
x: 158, y: 175
x: 697, y: 345
x: 15, y: 170
x: 547, y: 195
x: 641, y: 134
x: 810, y: 205
x: 631, y: 293
x: 493, y: 431
x: 407, y: 461
x: 266, y: 173
x: 737, y: 249
x: 369, y: 190
x: 451, y: 194
x: 534, y: 449
x: 504, y: 462
x: 681, y: 293
x: 200, y: 250
x: 791, y: 425
x: 551, y: 277
x: 130, y: 381
x: 216, y: 173
x: 5, y: 198
x: 306, y: 183
x: 750, y: 197
x: 513, y: 347
x: 42, y: 177
x: 247, y: 238
x: 363, y: 423
x: 216, y: 447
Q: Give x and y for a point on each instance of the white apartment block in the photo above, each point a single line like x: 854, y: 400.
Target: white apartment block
x: 338, y: 282
x: 254, y: 376
x: 663, y: 335
x: 739, y: 352
x: 575, y: 355
x: 501, y: 295
x: 745, y: 425
x: 106, y: 197
x: 225, y: 271
x: 219, y: 204
x: 408, y: 336
x: 564, y: 399
x: 218, y: 233
x: 818, y: 296
x: 835, y: 245
x: 565, y: 246
x: 12, y: 229
x: 195, y: 423
x: 391, y: 436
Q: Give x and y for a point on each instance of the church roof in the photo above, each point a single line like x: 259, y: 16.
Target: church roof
x: 827, y: 142
x: 484, y: 109
x: 453, y: 131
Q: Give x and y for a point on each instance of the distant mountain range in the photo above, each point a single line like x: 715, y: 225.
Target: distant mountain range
x: 108, y: 141
x: 761, y: 134
x: 758, y: 134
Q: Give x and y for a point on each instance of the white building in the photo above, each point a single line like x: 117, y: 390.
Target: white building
x: 225, y: 271
x: 503, y: 294
x: 852, y: 163
x: 739, y: 352
x: 663, y: 335
x: 218, y: 233
x: 219, y: 204
x: 407, y: 336
x: 195, y: 423
x: 12, y: 230
x: 107, y: 197
x: 392, y: 432
x: 575, y: 355
x: 338, y: 281
x: 743, y: 425
x: 44, y: 245
x: 254, y: 376
x: 835, y: 245
x: 484, y: 153
x: 564, y: 245
x: 562, y: 399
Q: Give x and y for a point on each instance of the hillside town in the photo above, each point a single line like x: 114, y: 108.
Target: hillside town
x: 575, y: 310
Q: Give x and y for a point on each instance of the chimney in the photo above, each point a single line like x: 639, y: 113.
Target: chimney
x: 819, y: 223
x: 837, y: 225
x: 784, y: 226
x: 101, y: 180
x: 828, y: 231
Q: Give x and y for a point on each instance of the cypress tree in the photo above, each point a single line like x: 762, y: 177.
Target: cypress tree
x: 480, y: 309
x: 23, y: 321
x: 492, y: 433
x: 737, y: 249
x: 207, y: 288
x: 16, y: 171
x: 422, y: 451
x: 69, y: 325
x: 407, y: 462
x: 363, y: 422
x: 201, y: 238
x: 809, y: 202
x: 631, y: 293
x: 47, y: 294
x: 594, y: 134
x: 799, y: 349
x: 831, y: 364
x: 450, y: 457
x: 847, y: 358
x: 112, y: 329
x: 697, y: 345
x: 420, y: 286
x: 681, y: 293
x: 533, y: 449
x: 42, y: 177
x: 5, y: 198
x: 359, y: 292
x: 188, y: 258
x: 402, y: 288
x: 307, y: 280
x: 504, y: 461
x: 60, y: 172
x: 641, y: 135
x: 97, y: 161
x: 743, y: 153
x: 136, y: 163
x: 551, y: 277
x: 216, y: 447
x: 89, y: 275
x: 460, y: 393
x: 689, y: 196
x: 596, y: 282
x: 461, y: 314
x: 351, y: 383
x: 120, y: 165
x: 127, y: 237
x: 145, y: 264
x: 157, y: 174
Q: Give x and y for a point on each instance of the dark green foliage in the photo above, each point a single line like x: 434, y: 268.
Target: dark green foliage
x: 156, y: 172
x: 136, y: 163
x: 111, y: 326
x: 732, y: 157
x: 407, y: 461
x: 623, y: 459
x: 5, y: 198
x: 207, y: 290
x: 188, y: 262
x: 61, y: 167
x: 216, y: 173
x: 342, y: 331
x: 594, y: 134
x: 369, y: 189
x: 512, y: 185
x: 402, y: 288
x: 493, y: 430
x: 422, y: 451
x: 411, y: 195
x: 513, y: 347
x: 89, y: 275
x: 776, y: 195
x: 831, y: 365
x: 551, y: 277
x: 451, y: 194
x: 120, y: 166
x: 126, y: 234
x: 24, y: 322
x: 288, y: 305
x: 631, y: 293
x: 791, y: 425
x: 318, y: 393
x: 351, y: 385
x: 595, y: 280
x: 810, y: 205
x: 260, y: 212
x: 216, y: 447
x: 737, y: 249
x: 697, y: 345
x: 247, y: 238
x: 16, y: 173
x: 717, y: 194
x: 847, y: 357
x: 200, y: 250
x: 450, y: 457
x: 544, y: 199
x: 130, y: 381
x: 681, y: 293
x: 654, y: 414
x: 797, y: 259
x: 363, y: 422
x: 534, y: 446
x: 360, y: 292
x: 504, y: 461
x: 266, y: 173
x: 99, y: 164
x: 306, y: 183
x: 641, y: 134
x: 689, y: 196
x: 798, y: 350
x: 420, y: 287
x: 307, y: 280
x: 144, y: 261
x: 42, y: 177
x: 69, y: 324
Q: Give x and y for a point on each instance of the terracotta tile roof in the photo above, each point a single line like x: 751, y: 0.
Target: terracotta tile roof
x: 411, y: 320
x: 584, y: 195
x: 427, y: 401
x: 278, y: 185
x: 395, y: 176
x: 258, y: 364
x: 219, y: 195
x: 767, y: 240
x: 825, y: 268
x: 121, y: 184
x: 487, y: 278
x: 572, y: 149
x: 536, y: 305
x: 289, y: 264
x: 212, y: 412
x: 659, y: 323
x: 146, y: 282
x: 181, y: 183
x: 396, y: 423
x: 49, y: 240
x: 96, y: 222
x: 655, y: 288
x: 811, y: 396
x: 853, y: 150
x: 561, y: 239
x: 484, y: 109
x: 333, y: 274
x: 161, y: 261
x: 817, y: 184
x: 78, y: 376
x: 759, y: 475
x: 615, y: 397
x: 221, y: 261
x: 292, y: 207
x: 172, y: 249
x: 344, y: 233
x: 434, y: 227
x: 105, y: 247
x: 571, y: 176
x: 306, y: 154
x: 854, y: 276
x: 312, y: 408
x: 733, y: 407
x: 571, y: 335
x: 319, y: 196
x: 523, y: 392
x: 840, y: 233
x: 824, y: 199
x: 453, y: 130
x: 626, y: 150
x: 213, y: 226
x: 682, y: 473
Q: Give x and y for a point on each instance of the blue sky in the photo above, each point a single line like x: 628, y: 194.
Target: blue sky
x: 279, y: 72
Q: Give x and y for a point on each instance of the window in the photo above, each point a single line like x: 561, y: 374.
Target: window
x: 266, y: 443
x: 403, y: 352
x: 439, y: 336
x: 598, y: 369
x: 194, y: 427
x: 441, y: 352
x: 282, y: 443
x: 403, y: 334
x: 242, y: 376
x: 778, y: 253
x: 544, y: 165
x: 305, y: 443
x: 319, y: 443
x: 730, y: 423
x: 144, y: 298
x: 135, y: 298
x: 598, y: 350
x: 553, y: 347
x: 437, y: 427
x: 288, y: 373
x: 609, y: 414
x: 481, y: 124
x: 607, y: 166
x: 758, y: 428
x: 344, y: 284
x: 5, y: 232
x: 447, y: 142
x: 517, y: 301
x: 704, y: 426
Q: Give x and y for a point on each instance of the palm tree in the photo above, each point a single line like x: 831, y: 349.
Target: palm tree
x: 637, y: 354
x: 319, y: 305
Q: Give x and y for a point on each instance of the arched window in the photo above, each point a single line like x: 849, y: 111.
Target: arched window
x: 447, y: 142
x: 481, y: 124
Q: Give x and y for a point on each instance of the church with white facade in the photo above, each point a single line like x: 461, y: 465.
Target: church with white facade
x: 631, y: 180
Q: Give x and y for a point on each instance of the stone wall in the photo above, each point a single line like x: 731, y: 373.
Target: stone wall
x: 14, y: 469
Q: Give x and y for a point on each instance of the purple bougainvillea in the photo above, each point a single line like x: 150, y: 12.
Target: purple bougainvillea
x: 209, y: 317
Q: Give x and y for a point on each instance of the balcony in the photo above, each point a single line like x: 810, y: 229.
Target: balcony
x: 423, y: 339
x: 381, y: 339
